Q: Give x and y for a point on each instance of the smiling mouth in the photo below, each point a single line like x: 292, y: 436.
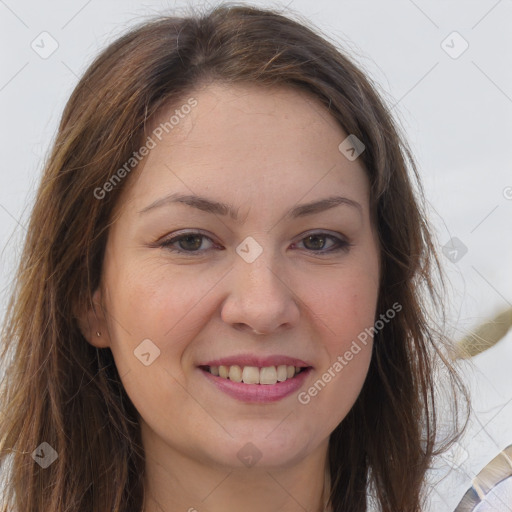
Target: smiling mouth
x: 268, y: 375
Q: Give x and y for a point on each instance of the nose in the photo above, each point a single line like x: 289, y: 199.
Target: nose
x: 260, y: 300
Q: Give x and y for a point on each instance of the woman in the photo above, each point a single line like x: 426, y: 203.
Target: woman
x: 220, y: 303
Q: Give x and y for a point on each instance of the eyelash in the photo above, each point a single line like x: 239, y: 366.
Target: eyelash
x: 341, y: 245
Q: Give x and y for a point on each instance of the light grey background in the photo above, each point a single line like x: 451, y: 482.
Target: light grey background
x: 457, y: 113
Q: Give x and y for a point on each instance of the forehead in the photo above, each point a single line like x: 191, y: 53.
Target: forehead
x: 247, y: 140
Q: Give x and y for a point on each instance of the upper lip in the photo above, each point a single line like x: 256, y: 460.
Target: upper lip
x: 258, y: 361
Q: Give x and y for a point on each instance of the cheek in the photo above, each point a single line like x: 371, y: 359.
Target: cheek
x: 163, y: 306
x: 346, y: 307
x: 336, y: 387
x: 346, y: 311
x: 160, y: 303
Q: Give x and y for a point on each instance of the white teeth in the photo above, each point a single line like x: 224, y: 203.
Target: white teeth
x: 282, y: 373
x: 252, y: 375
x: 268, y: 375
x: 235, y: 373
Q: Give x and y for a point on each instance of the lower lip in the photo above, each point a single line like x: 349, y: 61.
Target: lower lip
x: 258, y: 393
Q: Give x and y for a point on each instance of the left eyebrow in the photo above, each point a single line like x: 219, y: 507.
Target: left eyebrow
x: 223, y: 209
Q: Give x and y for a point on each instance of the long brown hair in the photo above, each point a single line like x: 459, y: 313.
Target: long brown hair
x: 61, y: 390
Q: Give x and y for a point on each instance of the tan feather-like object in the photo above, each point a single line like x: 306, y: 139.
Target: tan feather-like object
x: 484, y: 336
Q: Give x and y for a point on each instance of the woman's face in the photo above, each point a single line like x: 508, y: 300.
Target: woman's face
x: 271, y: 265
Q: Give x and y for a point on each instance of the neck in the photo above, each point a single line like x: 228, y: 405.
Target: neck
x: 175, y: 482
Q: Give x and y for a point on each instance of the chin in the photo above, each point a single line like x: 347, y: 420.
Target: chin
x: 266, y: 449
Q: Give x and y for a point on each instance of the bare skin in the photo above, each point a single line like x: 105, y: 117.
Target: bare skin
x: 263, y: 152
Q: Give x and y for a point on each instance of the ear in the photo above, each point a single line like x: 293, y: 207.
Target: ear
x: 93, y: 324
